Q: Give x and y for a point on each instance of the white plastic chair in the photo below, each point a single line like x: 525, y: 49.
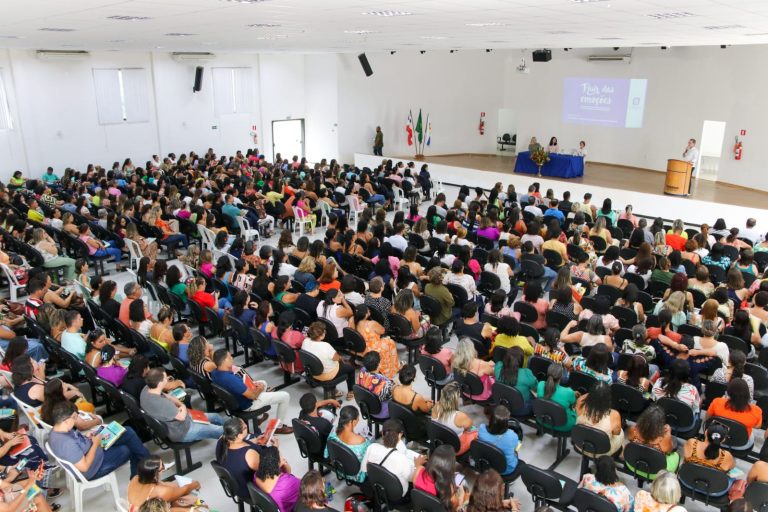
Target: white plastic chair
x: 246, y: 230
x: 77, y: 483
x: 325, y: 211
x: 135, y: 255
x: 12, y: 281
x: 207, y: 236
x: 437, y: 187
x: 401, y: 202
x: 301, y: 220
x: 37, y: 427
x: 355, y: 208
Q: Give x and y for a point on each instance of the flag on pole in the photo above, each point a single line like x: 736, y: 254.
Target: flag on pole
x: 419, y: 130
x: 429, y: 131
x: 409, y: 128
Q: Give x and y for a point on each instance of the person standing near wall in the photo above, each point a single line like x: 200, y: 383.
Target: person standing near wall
x: 378, y: 142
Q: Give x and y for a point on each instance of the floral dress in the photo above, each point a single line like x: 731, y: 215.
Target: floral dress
x: 357, y: 449
x: 580, y: 365
x: 618, y: 494
x: 389, y: 364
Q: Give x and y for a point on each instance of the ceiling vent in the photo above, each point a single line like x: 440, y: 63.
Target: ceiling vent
x: 62, y: 54
x: 192, y: 56
x: 610, y: 58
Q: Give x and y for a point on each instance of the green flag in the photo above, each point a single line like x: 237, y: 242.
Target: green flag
x: 419, y: 131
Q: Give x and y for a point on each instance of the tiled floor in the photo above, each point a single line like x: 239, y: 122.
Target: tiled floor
x: 539, y: 451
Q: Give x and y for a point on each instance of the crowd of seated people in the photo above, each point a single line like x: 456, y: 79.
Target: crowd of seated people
x: 613, y: 300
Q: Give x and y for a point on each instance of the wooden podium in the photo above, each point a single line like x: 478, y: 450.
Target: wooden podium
x: 678, y: 182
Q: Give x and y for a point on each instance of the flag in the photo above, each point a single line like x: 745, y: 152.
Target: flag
x: 419, y: 130
x: 409, y: 128
x: 429, y: 131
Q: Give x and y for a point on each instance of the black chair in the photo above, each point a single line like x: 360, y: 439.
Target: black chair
x: 737, y: 436
x: 554, y: 259
x: 599, y: 244
x: 698, y: 297
x: 539, y: 366
x: 312, y: 368
x: 759, y: 376
x: 434, y: 372
x: 508, y: 396
x: 204, y: 388
x: 480, y: 253
x: 240, y: 336
x: 588, y: 501
x: 265, y: 345
x: 354, y: 343
x: 401, y: 333
x: 556, y: 319
x: 232, y: 408
x: 470, y: 385
x: 262, y: 501
x: 424, y: 502
x: 609, y: 291
x: 415, y: 423
x: 546, y: 487
x: 635, y: 279
x: 757, y: 495
x: 459, y: 293
x: 387, y: 489
x: 440, y: 434
x: 550, y: 416
x: 230, y: 486
x: 643, y: 462
x: 528, y: 313
x: 528, y: 330
x: 591, y: 443
x: 488, y: 284
x: 286, y: 355
x: 680, y: 417
x: 311, y: 445
x: 629, y: 401
x: 627, y: 317
x: 581, y: 382
x: 712, y: 390
x: 430, y: 306
x: 734, y: 343
x: 690, y: 330
x: 370, y: 406
x: 343, y: 462
x: 700, y: 482
x: 490, y: 456
x: 531, y: 271
x: 331, y: 334
x: 657, y: 288
x: 199, y: 316
x: 716, y: 274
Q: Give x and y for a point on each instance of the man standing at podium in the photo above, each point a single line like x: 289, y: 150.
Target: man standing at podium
x: 691, y: 155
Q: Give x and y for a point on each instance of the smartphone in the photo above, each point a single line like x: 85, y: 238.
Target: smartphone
x: 98, y: 430
x: 21, y: 464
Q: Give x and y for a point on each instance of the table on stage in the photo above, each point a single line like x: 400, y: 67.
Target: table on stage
x: 559, y: 166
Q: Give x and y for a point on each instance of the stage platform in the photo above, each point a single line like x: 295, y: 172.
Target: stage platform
x: 624, y: 185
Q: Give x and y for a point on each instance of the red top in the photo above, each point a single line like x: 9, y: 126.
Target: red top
x: 676, y: 242
x: 205, y: 300
x: 653, y: 333
x: 752, y: 417
x: 424, y: 482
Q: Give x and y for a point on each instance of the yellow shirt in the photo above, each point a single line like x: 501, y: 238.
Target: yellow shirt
x: 35, y: 215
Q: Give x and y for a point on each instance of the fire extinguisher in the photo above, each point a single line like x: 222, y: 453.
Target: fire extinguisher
x: 737, y: 149
x: 482, y: 123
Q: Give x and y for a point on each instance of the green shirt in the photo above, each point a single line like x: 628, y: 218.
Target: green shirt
x: 662, y: 276
x: 180, y: 290
x: 526, y: 381
x: 565, y: 397
x: 443, y: 296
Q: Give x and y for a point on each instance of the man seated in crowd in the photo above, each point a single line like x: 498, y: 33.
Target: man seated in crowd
x: 132, y: 292
x: 249, y: 398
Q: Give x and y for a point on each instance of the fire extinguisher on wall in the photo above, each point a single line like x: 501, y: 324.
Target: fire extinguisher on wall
x: 737, y: 149
x: 481, y: 127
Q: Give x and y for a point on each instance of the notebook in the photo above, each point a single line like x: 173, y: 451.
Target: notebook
x: 110, y: 434
x: 265, y: 438
x: 249, y: 382
x: 32, y: 492
x: 7, y: 413
x: 178, y: 394
x: 23, y: 446
x: 198, y: 416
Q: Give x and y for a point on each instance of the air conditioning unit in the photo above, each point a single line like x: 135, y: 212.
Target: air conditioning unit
x: 62, y: 54
x: 192, y: 56
x: 610, y: 58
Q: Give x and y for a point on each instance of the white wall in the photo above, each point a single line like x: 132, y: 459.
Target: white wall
x: 322, y: 107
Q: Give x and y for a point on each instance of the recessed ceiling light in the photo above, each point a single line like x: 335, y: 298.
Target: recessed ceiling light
x: 22, y: 37
x: 488, y: 24
x: 359, y: 32
x: 758, y: 34
x: 264, y: 25
x: 610, y: 38
x: 437, y: 38
x: 116, y: 41
x: 559, y: 32
x: 723, y: 27
x: 128, y: 18
x: 271, y: 38
x: 55, y: 29
x: 387, y: 14
x: 671, y: 15
x: 179, y: 34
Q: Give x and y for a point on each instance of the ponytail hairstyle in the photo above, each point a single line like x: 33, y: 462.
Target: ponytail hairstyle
x: 347, y: 415
x: 715, y: 434
x: 554, y: 374
x: 232, y: 428
x: 639, y: 334
x: 552, y: 338
x: 738, y: 360
x: 391, y: 432
x: 328, y: 301
x: 361, y: 313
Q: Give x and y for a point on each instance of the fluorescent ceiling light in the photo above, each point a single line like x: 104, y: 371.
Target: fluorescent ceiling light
x: 387, y: 14
x: 723, y: 27
x: 359, y: 32
x: 264, y: 25
x: 129, y: 18
x: 670, y: 15
x: 179, y: 34
x: 55, y: 29
x: 488, y: 24
x: 433, y: 37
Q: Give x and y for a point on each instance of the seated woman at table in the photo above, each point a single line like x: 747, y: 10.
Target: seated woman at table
x: 553, y: 147
x: 534, y: 145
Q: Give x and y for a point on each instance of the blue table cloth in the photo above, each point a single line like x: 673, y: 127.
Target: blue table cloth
x: 559, y: 166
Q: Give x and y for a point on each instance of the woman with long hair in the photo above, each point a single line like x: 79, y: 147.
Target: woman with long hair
x: 676, y: 385
x: 594, y: 410
x: 438, y: 478
x: 488, y: 494
x: 498, y: 433
x: 161, y: 331
x: 346, y: 434
x: 312, y: 495
x: 636, y: 374
x: 606, y: 482
x: 710, y: 452
x: 446, y: 412
x: 737, y: 406
x: 511, y: 370
x: 550, y: 389
x: 734, y: 369
x: 148, y: 484
x: 651, y: 429
x: 465, y: 361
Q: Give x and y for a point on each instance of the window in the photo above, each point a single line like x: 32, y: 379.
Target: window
x: 6, y: 123
x: 232, y: 91
x: 121, y: 95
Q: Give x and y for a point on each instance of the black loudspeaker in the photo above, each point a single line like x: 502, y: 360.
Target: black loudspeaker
x: 198, y: 79
x: 542, y: 55
x: 365, y: 64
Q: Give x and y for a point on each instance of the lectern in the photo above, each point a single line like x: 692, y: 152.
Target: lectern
x: 678, y: 182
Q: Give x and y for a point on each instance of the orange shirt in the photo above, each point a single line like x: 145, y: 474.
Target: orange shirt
x: 752, y: 417
x: 653, y: 333
x: 335, y: 284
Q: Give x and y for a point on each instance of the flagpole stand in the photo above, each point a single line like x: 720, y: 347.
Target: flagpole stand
x: 420, y: 156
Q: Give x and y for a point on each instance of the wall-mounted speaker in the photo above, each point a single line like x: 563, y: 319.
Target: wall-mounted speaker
x: 198, y: 79
x: 365, y: 64
x: 542, y: 55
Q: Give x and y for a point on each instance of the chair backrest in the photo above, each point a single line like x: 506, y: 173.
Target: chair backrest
x: 759, y: 375
x: 424, y: 502
x: 508, y: 396
x: 539, y: 366
x: 312, y: 364
x: 432, y: 369
x: 469, y: 383
x: 627, y: 399
x: 353, y: 340
x: 368, y: 402
x: 679, y: 414
x: 528, y: 313
x: 227, y: 398
x: 590, y: 439
x: 542, y: 484
x: 737, y: 432
x: 581, y: 382
x: 549, y: 413
x: 387, y: 488
x: 557, y: 319
x: 440, y: 434
x: 68, y: 466
x: 343, y: 460
x: 308, y: 439
x: 262, y: 501
x: 588, y: 501
x: 227, y: 481
x: 400, y: 325
x: 414, y: 428
x: 285, y: 353
x: 757, y: 495
x: 487, y: 456
x: 703, y: 481
x: 643, y: 459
